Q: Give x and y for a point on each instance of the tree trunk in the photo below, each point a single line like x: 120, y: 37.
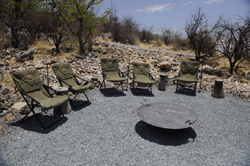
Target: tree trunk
x: 79, y: 35
x: 90, y: 41
x: 81, y: 44
x: 231, y: 67
x: 57, y: 47
x: 14, y: 33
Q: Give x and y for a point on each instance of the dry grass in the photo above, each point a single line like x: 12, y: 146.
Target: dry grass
x: 42, y: 45
x: 224, y: 64
x: 154, y: 45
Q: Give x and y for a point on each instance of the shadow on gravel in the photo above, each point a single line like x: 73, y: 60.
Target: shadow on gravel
x: 112, y: 92
x: 79, y: 105
x: 141, y: 92
x: 165, y: 136
x: 34, y: 125
x: 186, y: 91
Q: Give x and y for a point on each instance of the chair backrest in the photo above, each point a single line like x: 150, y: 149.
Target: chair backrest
x: 189, y: 67
x: 110, y: 67
x: 64, y: 71
x: 30, y: 82
x: 141, y: 69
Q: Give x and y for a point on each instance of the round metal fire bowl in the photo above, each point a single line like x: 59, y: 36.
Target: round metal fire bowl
x: 167, y: 115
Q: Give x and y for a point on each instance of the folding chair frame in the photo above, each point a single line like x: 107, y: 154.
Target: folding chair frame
x: 31, y: 106
x: 140, y: 84
x: 195, y: 82
x: 121, y: 82
x: 70, y: 87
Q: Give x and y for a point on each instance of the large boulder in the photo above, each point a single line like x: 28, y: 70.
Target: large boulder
x: 213, y: 71
x: 5, y: 90
x: 24, y: 55
x: 164, y: 65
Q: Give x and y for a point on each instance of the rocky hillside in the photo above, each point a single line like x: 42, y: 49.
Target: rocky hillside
x: 88, y: 66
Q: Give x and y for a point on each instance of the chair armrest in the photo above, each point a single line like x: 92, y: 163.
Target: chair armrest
x: 179, y: 73
x: 86, y: 82
x: 120, y: 72
x: 47, y: 88
x: 134, y: 75
x: 201, y: 74
x: 64, y: 82
x: 103, y: 75
x: 196, y: 75
x: 151, y: 77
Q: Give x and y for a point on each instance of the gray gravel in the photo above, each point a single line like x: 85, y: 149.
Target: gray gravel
x: 109, y: 132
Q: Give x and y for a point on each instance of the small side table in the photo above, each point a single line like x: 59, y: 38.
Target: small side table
x: 65, y: 107
x: 218, y: 91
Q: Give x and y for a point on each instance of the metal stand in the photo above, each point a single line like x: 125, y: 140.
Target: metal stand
x: 201, y: 74
x: 48, y: 74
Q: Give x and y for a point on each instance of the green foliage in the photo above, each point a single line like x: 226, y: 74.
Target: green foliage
x: 80, y: 16
x: 12, y: 12
x: 80, y: 10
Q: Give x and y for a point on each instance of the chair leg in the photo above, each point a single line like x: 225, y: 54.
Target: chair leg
x: 127, y: 84
x: 195, y: 86
x: 77, y: 106
x: 177, y: 85
x: 25, y: 119
x: 151, y: 89
x: 121, y: 86
x: 105, y: 88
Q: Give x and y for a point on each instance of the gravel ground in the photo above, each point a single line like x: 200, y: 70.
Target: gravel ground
x: 109, y: 132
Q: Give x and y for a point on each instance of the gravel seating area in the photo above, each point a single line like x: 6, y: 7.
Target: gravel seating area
x: 109, y: 132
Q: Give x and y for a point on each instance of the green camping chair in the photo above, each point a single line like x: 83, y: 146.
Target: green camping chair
x: 67, y: 78
x: 36, y: 94
x: 112, y: 73
x: 188, y: 73
x: 142, y: 76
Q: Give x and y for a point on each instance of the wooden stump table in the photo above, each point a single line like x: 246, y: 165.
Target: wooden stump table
x: 162, y: 83
x: 65, y: 107
x: 218, y: 91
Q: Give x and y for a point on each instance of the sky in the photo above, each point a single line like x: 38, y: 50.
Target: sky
x: 172, y: 14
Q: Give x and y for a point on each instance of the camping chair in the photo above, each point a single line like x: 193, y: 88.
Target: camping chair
x: 67, y: 78
x: 188, y: 73
x: 112, y: 73
x: 142, y: 76
x: 36, y: 94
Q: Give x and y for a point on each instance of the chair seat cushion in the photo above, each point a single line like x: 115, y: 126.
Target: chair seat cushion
x: 116, y: 79
x: 142, y: 79
x: 47, y: 101
x: 113, y: 76
x: 145, y: 82
x: 54, y: 102
x: 80, y: 88
x: 187, y: 78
